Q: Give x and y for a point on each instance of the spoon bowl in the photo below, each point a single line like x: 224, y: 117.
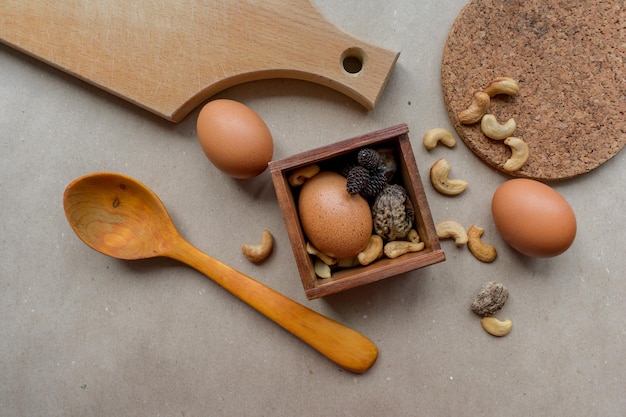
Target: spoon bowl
x: 117, y: 216
x: 120, y: 217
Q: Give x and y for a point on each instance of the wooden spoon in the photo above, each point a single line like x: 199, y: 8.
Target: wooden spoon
x: 120, y: 217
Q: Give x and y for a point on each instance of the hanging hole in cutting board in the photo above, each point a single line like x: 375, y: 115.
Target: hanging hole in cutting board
x: 352, y: 60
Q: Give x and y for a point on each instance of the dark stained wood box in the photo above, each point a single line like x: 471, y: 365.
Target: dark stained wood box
x: 395, y: 137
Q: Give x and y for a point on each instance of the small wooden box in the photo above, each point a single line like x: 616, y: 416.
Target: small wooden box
x: 395, y: 137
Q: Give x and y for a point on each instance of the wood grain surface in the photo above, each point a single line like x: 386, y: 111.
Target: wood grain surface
x: 570, y: 61
x: 169, y: 56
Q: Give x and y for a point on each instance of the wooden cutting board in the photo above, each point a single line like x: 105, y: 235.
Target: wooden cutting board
x: 569, y: 58
x: 168, y: 56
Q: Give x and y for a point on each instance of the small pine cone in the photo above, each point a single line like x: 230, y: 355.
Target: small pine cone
x: 369, y: 158
x: 358, y: 177
x: 375, y: 185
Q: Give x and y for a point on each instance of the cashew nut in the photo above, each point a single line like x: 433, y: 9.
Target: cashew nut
x: 519, y: 154
x: 413, y: 236
x: 476, y: 110
x: 259, y: 253
x: 482, y: 251
x: 372, y: 251
x: 495, y: 327
x: 439, y: 178
x: 436, y: 135
x: 300, y: 175
x: 494, y: 130
x: 400, y: 247
x: 322, y: 270
x: 452, y: 229
x: 502, y: 85
x: 312, y: 250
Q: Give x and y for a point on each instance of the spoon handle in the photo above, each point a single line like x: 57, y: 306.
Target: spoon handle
x: 342, y: 345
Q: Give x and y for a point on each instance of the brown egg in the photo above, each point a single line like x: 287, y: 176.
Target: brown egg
x: 335, y: 222
x: 533, y: 218
x: 234, y: 138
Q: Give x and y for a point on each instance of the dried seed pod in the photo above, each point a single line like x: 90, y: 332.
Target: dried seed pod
x: 392, y: 212
x: 490, y: 299
x: 388, y: 164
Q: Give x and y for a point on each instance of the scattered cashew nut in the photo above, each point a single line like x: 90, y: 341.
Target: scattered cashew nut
x: 481, y: 251
x: 494, y: 130
x: 372, y: 251
x: 439, y: 178
x: 398, y: 248
x: 502, y: 85
x: 495, y: 327
x: 300, y: 175
x: 259, y: 253
x: 437, y: 135
x: 322, y: 269
x: 312, y: 250
x: 452, y: 229
x: 519, y: 154
x: 476, y: 110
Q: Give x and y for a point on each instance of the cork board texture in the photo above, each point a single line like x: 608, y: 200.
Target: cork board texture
x: 569, y: 58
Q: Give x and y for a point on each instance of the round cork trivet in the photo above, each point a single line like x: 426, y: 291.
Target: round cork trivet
x: 569, y: 58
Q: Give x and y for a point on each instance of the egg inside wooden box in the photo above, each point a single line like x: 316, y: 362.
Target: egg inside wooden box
x: 393, y: 141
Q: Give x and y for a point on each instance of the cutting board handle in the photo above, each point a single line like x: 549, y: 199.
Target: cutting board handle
x: 359, y: 72
x: 296, y: 41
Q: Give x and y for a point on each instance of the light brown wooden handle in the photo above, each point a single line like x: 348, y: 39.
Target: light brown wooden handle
x: 351, y: 67
x: 342, y: 345
x: 354, y: 68
x: 327, y: 57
